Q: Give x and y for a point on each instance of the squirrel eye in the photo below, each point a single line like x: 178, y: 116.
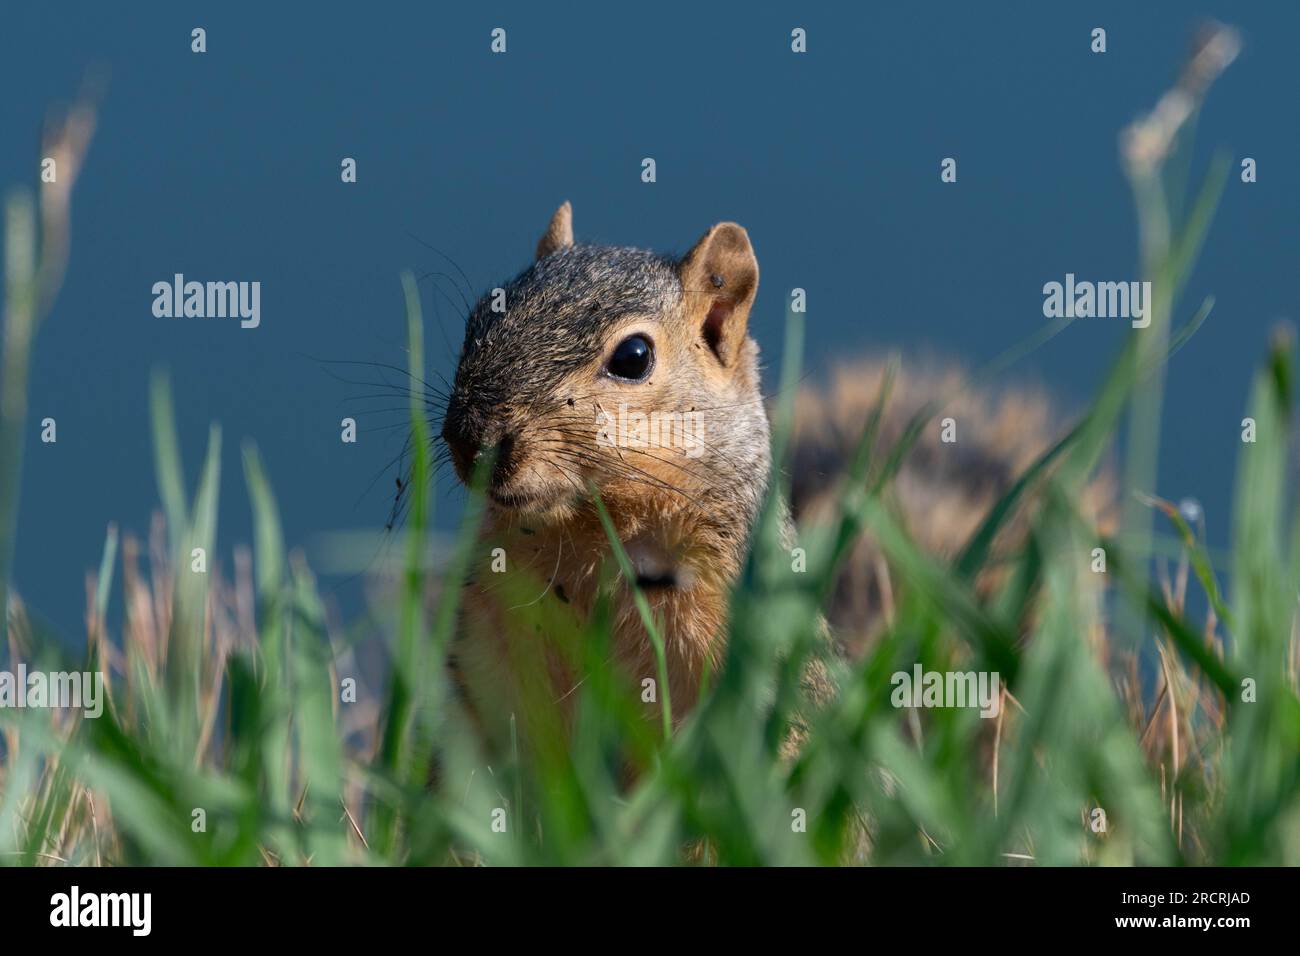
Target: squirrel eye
x: 631, y: 359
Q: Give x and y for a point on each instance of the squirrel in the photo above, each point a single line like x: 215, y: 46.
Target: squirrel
x: 562, y: 375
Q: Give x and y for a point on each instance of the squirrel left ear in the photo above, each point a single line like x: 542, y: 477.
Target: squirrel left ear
x: 720, y: 279
x: 559, y: 233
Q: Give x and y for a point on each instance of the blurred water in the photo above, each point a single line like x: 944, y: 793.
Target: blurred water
x: 225, y: 166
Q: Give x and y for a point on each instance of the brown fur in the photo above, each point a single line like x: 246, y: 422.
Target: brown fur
x: 689, y: 512
x: 943, y: 491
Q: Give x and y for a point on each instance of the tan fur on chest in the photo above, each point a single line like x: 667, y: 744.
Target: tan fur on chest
x: 516, y: 651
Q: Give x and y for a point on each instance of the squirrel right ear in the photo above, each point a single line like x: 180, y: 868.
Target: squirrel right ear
x: 559, y: 233
x: 720, y: 279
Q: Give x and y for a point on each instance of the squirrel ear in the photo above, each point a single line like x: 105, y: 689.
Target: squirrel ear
x: 720, y: 279
x: 559, y: 233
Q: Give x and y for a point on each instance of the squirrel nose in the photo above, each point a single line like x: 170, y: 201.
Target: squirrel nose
x: 468, y: 443
x: 463, y: 441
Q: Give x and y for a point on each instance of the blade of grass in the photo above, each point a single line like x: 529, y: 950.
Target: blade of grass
x: 168, y: 470
x: 642, y: 607
x: 19, y: 329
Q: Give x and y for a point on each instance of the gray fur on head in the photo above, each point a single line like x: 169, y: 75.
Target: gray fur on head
x: 557, y: 312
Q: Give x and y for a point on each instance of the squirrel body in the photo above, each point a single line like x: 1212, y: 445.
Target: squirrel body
x: 543, y: 390
x: 594, y: 335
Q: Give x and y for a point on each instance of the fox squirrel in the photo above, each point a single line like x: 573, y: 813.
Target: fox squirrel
x: 563, y: 375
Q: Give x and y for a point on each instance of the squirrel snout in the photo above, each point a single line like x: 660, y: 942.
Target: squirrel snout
x: 464, y: 441
x: 467, y: 440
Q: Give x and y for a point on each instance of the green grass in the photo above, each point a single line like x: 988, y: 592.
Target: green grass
x: 241, y: 722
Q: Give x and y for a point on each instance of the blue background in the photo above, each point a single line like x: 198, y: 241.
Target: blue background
x: 225, y: 166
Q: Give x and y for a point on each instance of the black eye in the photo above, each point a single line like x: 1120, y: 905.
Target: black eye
x: 632, y: 359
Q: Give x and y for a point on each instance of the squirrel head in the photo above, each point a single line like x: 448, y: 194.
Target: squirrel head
x: 616, y: 366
